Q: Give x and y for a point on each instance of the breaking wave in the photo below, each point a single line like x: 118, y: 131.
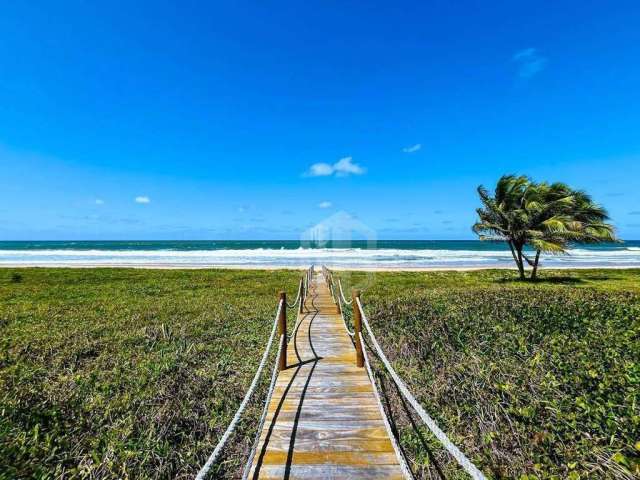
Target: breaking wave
x: 339, y: 257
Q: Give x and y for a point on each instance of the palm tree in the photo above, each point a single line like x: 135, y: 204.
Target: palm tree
x: 545, y: 217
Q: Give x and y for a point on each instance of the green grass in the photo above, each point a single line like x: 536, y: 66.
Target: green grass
x: 531, y: 380
x: 117, y: 373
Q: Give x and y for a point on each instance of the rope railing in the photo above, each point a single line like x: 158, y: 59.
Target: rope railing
x: 346, y: 327
x: 403, y: 463
x: 300, y: 289
x: 453, y: 450
x: 245, y: 401
x: 328, y: 277
x: 360, y: 319
x: 272, y: 386
x: 279, y: 325
x: 342, y: 294
x: 338, y: 299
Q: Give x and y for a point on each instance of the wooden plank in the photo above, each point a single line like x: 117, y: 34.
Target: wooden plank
x: 331, y: 472
x: 323, y: 420
x: 331, y: 458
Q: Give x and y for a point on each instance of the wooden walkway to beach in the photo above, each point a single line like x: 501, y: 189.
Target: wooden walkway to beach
x: 323, y: 421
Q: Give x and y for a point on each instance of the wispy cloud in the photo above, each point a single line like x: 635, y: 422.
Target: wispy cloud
x: 99, y: 201
x: 342, y: 168
x: 345, y: 166
x: 530, y: 62
x: 142, y: 199
x: 320, y: 170
x: 412, y: 148
x: 325, y: 204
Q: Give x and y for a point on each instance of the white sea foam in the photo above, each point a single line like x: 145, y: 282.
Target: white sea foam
x: 344, y: 257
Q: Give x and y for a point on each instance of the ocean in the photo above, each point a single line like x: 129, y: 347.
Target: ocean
x: 346, y: 254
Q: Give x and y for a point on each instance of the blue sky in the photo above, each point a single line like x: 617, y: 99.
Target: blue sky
x: 239, y: 120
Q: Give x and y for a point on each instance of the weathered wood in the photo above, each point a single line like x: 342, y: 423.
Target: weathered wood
x: 301, y: 306
x: 282, y: 330
x: 324, y: 472
x: 357, y: 327
x: 323, y: 420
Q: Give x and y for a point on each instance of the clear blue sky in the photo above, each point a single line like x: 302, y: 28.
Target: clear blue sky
x: 239, y: 120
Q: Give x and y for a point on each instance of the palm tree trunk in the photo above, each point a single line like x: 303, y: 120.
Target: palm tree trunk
x: 534, y: 272
x: 513, y: 252
x: 519, y: 262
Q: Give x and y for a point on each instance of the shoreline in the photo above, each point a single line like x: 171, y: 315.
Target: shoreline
x: 160, y: 266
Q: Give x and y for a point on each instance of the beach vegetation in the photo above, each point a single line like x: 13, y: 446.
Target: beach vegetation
x: 535, y: 218
x: 531, y: 381
x: 15, y: 277
x: 125, y: 373
x: 122, y: 373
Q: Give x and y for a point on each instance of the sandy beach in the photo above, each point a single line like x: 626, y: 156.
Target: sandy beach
x: 301, y: 268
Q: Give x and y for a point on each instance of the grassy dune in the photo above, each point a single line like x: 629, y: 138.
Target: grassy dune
x: 114, y: 373
x: 530, y: 380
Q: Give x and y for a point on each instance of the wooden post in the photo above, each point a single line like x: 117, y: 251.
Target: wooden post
x: 301, y: 295
x: 282, y: 330
x: 357, y: 327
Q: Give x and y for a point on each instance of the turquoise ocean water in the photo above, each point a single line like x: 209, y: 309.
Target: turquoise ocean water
x: 382, y: 253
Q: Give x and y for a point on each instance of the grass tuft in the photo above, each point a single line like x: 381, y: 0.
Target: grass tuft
x: 531, y: 380
x: 116, y: 373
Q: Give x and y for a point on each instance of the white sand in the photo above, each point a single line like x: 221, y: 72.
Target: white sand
x: 160, y: 266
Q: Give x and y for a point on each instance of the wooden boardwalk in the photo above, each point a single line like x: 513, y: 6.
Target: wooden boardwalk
x: 323, y: 421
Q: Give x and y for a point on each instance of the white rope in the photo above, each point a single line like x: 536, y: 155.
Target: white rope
x: 342, y: 294
x: 344, y: 321
x: 236, y: 418
x: 403, y: 464
x: 308, y: 279
x: 291, y: 305
x: 302, y: 287
x: 346, y: 327
x: 460, y: 457
x: 274, y: 377
x: 333, y: 295
x: 336, y: 300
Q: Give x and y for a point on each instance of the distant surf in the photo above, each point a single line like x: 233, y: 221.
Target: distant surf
x: 358, y: 254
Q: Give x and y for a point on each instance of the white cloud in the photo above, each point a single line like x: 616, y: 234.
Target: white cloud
x: 99, y: 201
x: 412, y: 148
x: 325, y: 204
x: 143, y: 199
x: 320, y: 170
x: 530, y: 62
x: 345, y: 166
x: 342, y: 168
